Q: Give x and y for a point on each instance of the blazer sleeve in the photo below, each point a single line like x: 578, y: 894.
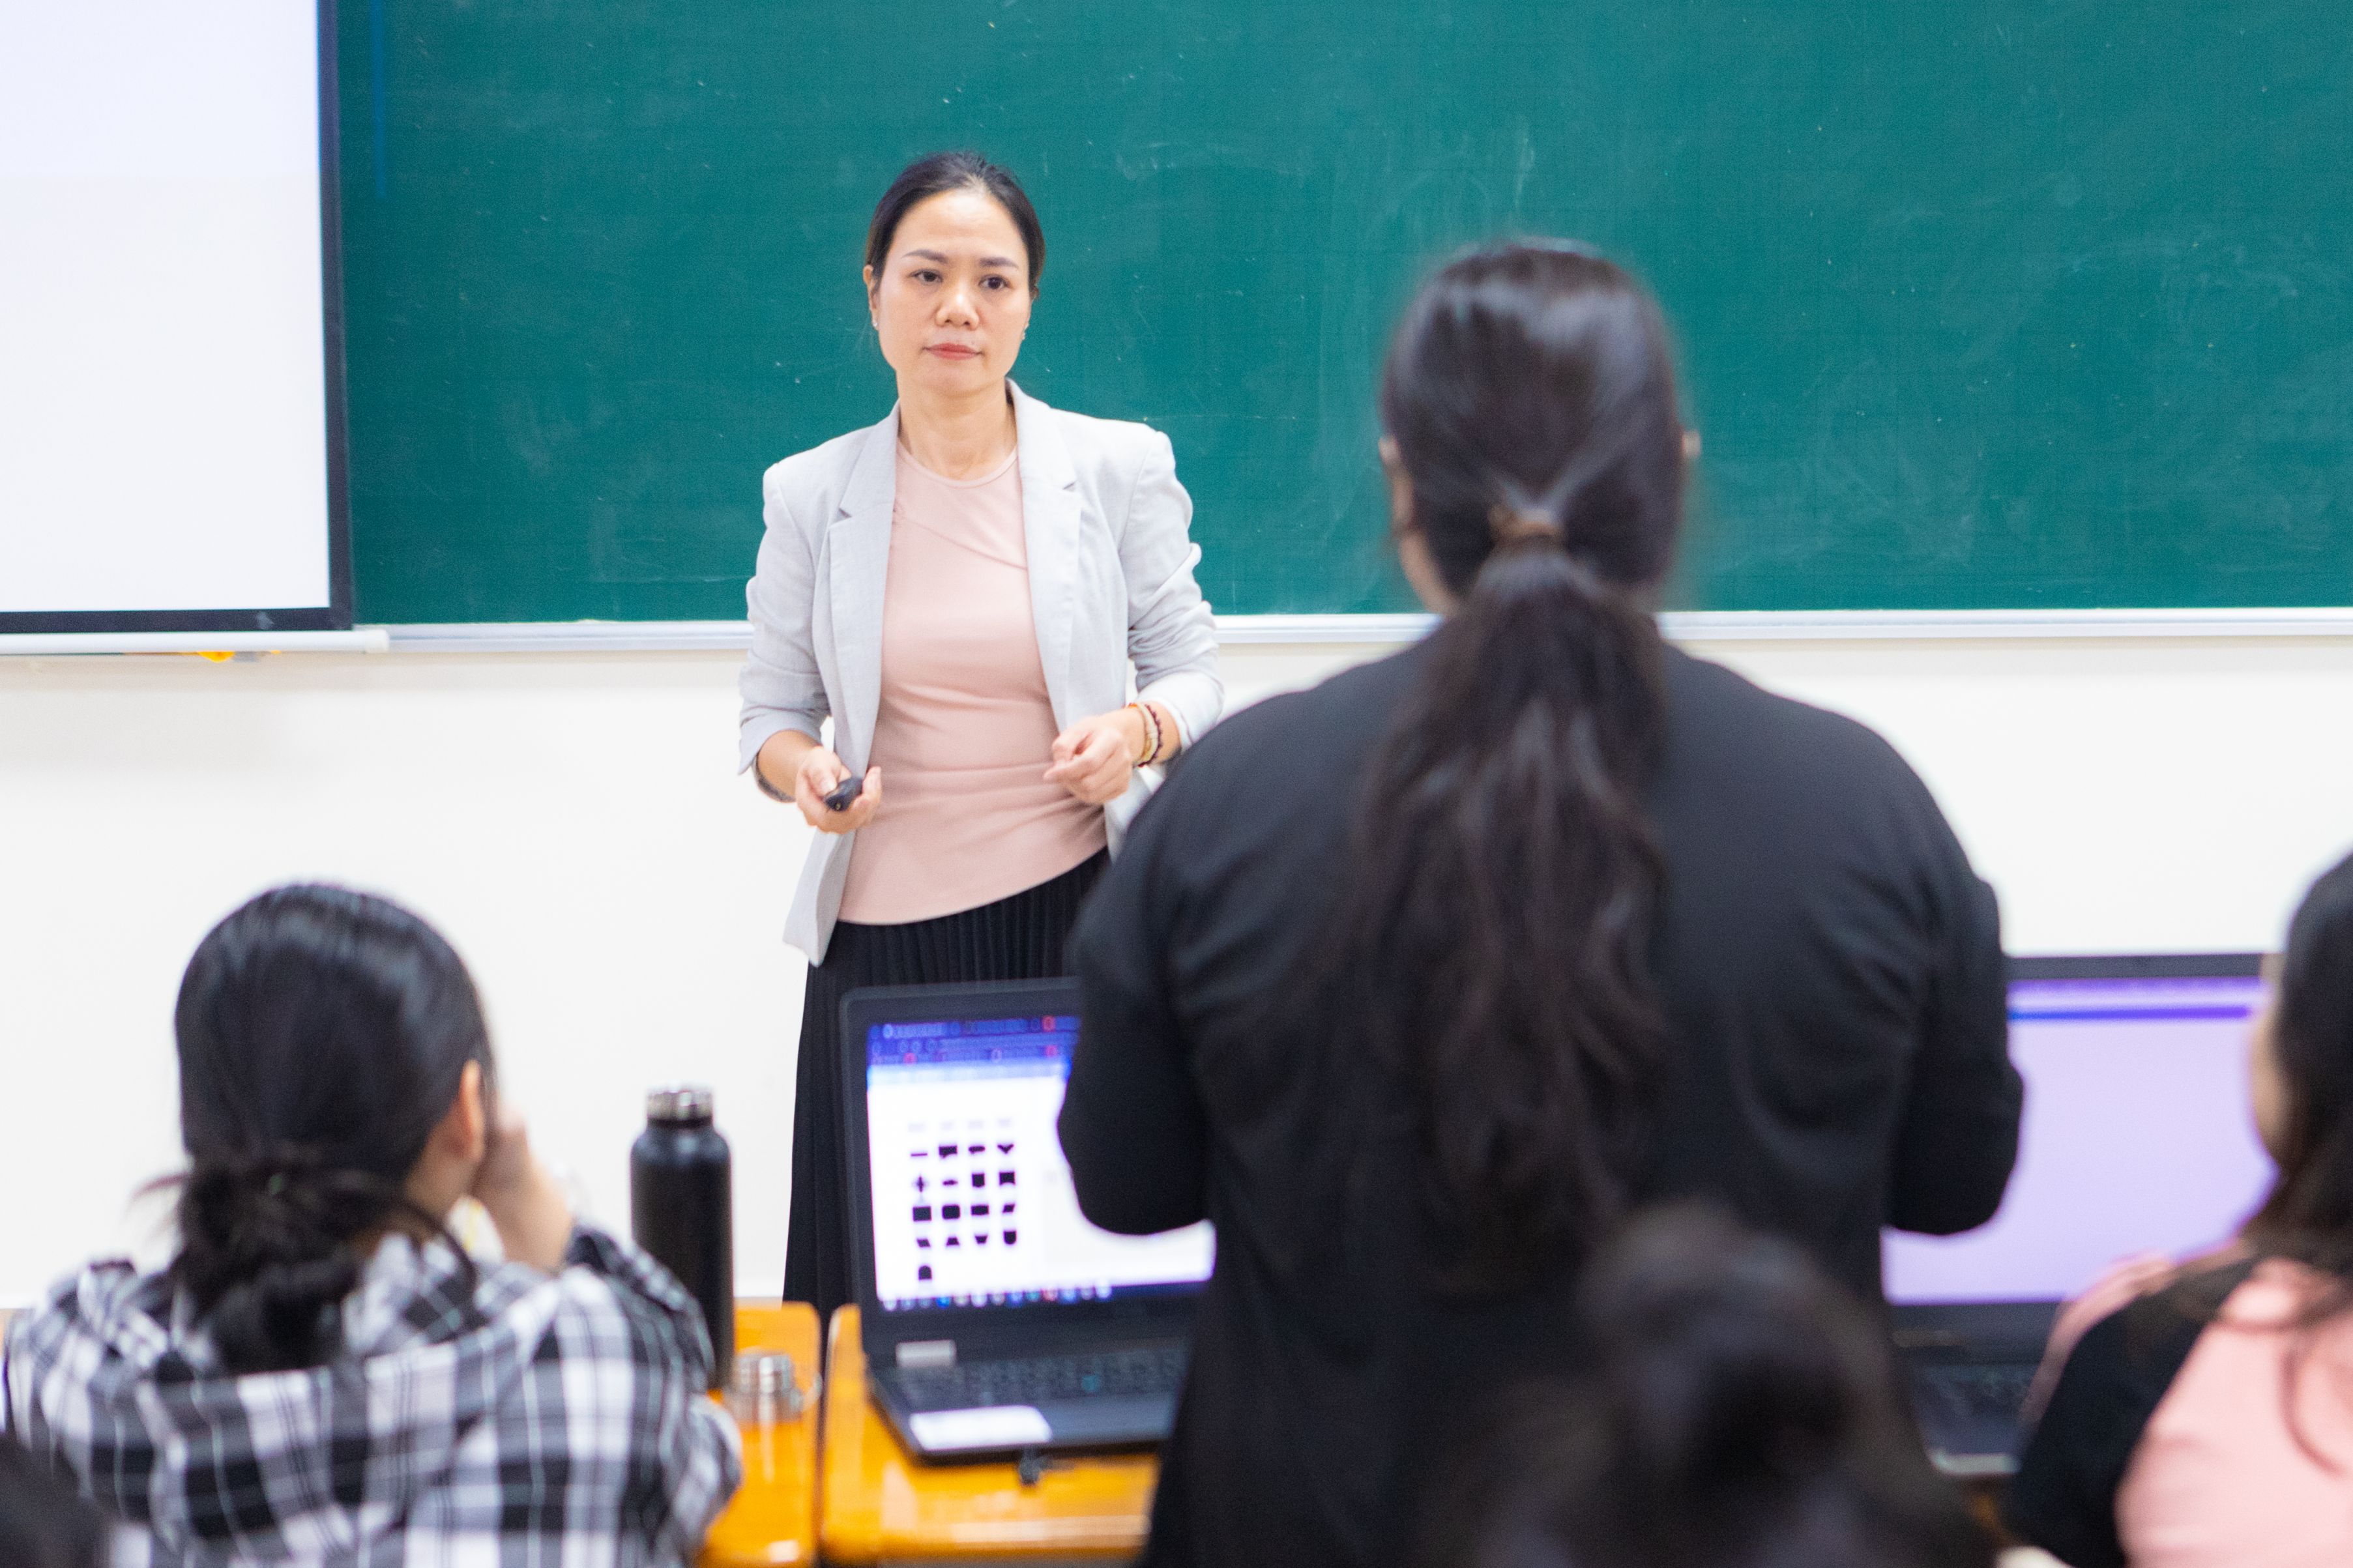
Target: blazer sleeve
x: 1171, y: 636
x: 781, y: 685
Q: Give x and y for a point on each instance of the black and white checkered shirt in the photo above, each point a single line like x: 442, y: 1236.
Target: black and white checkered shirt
x: 528, y: 1422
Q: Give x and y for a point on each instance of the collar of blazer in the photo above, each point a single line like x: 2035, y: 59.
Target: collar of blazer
x: 859, y: 542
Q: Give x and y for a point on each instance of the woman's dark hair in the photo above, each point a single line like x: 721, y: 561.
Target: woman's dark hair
x: 1492, y: 932
x: 323, y: 1035
x: 1735, y: 1410
x: 928, y: 177
x: 44, y: 1523
x: 2308, y: 1215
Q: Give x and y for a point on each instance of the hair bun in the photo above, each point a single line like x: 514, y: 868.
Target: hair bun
x: 1735, y: 1406
x: 265, y: 1247
x: 284, y: 1173
x: 1730, y: 1354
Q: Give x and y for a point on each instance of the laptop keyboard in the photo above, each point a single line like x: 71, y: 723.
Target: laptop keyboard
x: 1039, y: 1380
x: 1971, y: 1394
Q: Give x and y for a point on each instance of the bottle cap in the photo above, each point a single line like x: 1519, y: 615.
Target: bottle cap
x: 679, y: 1103
x: 765, y: 1391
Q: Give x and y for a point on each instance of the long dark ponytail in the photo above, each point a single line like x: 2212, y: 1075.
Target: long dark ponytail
x: 323, y: 1034
x: 1494, y: 930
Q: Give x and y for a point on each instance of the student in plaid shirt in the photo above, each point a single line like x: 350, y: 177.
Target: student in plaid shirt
x: 322, y: 1375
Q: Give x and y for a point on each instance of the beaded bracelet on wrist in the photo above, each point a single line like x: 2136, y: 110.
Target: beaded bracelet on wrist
x: 1151, y: 733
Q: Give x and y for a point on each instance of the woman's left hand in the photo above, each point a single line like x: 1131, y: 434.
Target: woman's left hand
x: 1094, y: 758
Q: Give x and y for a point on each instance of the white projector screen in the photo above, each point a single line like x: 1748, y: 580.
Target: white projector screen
x: 171, y: 364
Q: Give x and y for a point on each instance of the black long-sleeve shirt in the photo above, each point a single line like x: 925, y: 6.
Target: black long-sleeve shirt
x: 1833, y: 977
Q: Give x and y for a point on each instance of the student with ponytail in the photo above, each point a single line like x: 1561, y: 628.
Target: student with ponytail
x: 323, y: 1374
x: 1731, y: 1408
x: 1416, y: 982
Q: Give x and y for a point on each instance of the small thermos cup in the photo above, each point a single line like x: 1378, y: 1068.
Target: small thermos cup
x: 681, y: 1209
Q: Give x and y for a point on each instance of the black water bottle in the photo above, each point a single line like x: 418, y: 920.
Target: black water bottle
x: 681, y: 1209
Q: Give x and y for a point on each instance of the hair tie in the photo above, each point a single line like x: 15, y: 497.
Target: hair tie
x: 1511, y: 526
x: 276, y: 1184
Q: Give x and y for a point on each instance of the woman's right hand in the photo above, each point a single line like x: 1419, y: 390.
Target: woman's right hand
x: 818, y: 775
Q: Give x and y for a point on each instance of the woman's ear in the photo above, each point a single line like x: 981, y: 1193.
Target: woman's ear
x: 454, y: 1149
x: 1412, y: 547
x: 1400, y: 488
x: 465, y: 1131
x: 874, y: 299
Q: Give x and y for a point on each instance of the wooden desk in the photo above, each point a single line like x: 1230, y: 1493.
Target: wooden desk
x: 773, y: 1521
x: 877, y: 1505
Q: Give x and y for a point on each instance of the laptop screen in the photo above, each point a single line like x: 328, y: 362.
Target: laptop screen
x: 972, y: 1200
x: 2138, y: 1137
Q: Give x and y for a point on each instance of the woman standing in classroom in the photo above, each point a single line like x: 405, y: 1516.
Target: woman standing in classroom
x: 963, y: 589
x: 1530, y: 924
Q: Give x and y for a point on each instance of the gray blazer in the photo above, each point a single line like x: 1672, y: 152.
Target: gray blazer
x: 1110, y: 582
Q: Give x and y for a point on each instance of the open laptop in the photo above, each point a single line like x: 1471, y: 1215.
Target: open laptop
x: 2138, y: 1138
x: 996, y: 1318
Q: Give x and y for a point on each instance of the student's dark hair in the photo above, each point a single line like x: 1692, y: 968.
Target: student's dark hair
x: 929, y: 177
x: 1493, y: 930
x: 1734, y: 1409
x: 323, y: 1035
x: 2308, y: 1214
x: 44, y: 1522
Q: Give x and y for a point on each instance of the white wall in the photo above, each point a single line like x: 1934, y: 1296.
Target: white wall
x: 572, y: 822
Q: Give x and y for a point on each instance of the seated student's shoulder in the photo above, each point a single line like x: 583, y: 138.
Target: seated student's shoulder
x: 84, y: 1306
x: 613, y: 1301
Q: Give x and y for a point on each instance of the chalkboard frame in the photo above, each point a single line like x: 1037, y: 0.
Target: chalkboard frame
x: 1898, y: 417
x: 335, y: 616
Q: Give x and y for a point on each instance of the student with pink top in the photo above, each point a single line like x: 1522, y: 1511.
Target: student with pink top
x: 963, y: 590
x: 2202, y: 1416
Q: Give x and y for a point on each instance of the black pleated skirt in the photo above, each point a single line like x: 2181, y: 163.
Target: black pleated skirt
x: 1019, y: 938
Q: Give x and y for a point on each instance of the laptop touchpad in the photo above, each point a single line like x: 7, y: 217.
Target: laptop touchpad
x: 1112, y: 1418
x: 987, y: 1426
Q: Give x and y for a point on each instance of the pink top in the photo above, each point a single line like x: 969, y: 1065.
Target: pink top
x: 965, y: 730
x: 2217, y: 1477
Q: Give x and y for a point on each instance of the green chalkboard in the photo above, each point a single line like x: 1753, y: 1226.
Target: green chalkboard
x: 2007, y: 304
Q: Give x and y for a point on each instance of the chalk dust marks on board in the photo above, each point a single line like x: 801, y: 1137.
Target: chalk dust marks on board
x: 1190, y: 203
x: 1430, y: 197
x: 2282, y: 471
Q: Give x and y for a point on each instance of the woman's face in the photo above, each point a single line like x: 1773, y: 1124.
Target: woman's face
x: 953, y: 297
